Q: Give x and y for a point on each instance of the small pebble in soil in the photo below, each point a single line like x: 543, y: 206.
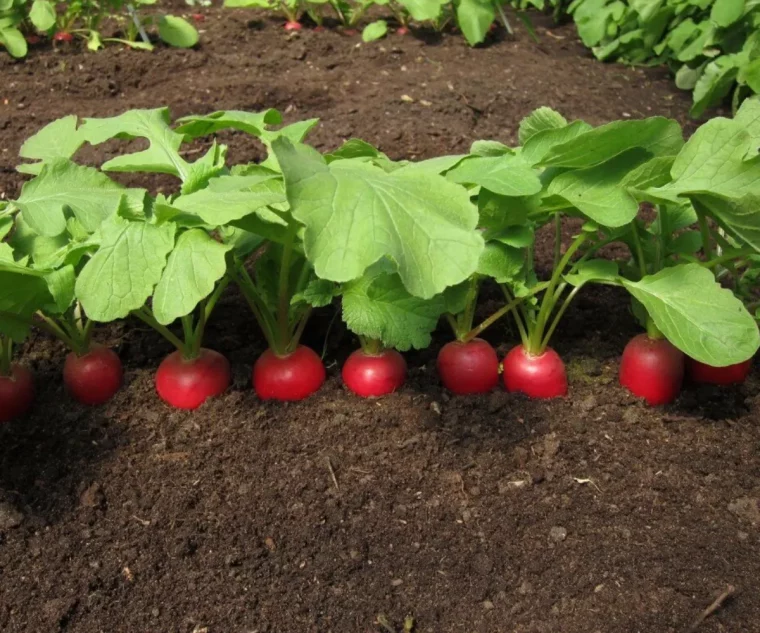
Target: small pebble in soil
x: 10, y: 517
x: 558, y: 534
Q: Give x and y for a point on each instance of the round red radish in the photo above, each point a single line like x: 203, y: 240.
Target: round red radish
x: 373, y: 375
x: 292, y: 377
x: 402, y: 30
x: 198, y: 17
x: 62, y: 36
x: 652, y: 369
x: 93, y: 377
x: 16, y: 393
x: 292, y: 25
x: 471, y: 367
x: 33, y: 39
x: 541, y: 376
x: 187, y: 384
x: 706, y: 374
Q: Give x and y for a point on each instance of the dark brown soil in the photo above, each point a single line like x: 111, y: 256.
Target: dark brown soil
x: 493, y: 514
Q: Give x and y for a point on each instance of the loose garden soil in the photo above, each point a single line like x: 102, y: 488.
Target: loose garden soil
x: 492, y: 514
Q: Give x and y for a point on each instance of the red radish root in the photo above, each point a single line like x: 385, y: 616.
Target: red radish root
x: 541, y: 376
x: 187, y: 384
x: 471, y: 367
x: 95, y: 377
x: 16, y: 393
x: 292, y: 377
x: 374, y: 375
x: 652, y: 369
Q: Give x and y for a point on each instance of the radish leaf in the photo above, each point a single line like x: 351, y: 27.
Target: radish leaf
x: 378, y: 306
x: 90, y: 195
x: 195, y: 265
x: 355, y: 214
x: 124, y: 271
x: 697, y: 315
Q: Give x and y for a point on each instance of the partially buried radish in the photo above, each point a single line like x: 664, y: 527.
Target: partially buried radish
x: 538, y: 376
x: 292, y: 376
x: 186, y: 383
x: 707, y: 374
x: 293, y: 25
x: 470, y: 367
x: 16, y: 392
x: 652, y: 368
x: 374, y: 373
x: 94, y: 377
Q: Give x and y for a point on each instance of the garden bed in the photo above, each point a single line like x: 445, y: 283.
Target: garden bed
x: 480, y: 514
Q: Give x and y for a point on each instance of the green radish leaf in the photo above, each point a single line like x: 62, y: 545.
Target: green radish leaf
x: 295, y: 132
x: 423, y: 10
x: 697, y: 315
x: 713, y: 161
x: 212, y: 164
x: 353, y: 148
x: 59, y: 139
x: 539, y: 144
x: 596, y: 191
x: 192, y: 271
x: 253, y: 123
x: 90, y: 195
x: 516, y: 236
x: 748, y: 116
x: 474, y: 17
x: 42, y: 15
x: 687, y: 243
x: 455, y: 298
x: 377, y: 306
x: 652, y: 173
x: 501, y: 262
x: 490, y: 148
x: 375, y: 31
x: 750, y: 75
x: 22, y: 293
x: 739, y: 217
x: 594, y: 270
x: 161, y: 157
x: 355, y: 214
x: 657, y: 135
x: 177, y: 32
x: 126, y: 268
x: 43, y: 251
x: 498, y: 212
x: 542, y: 120
x: 726, y: 12
x: 219, y: 207
x: 438, y: 165
x: 318, y: 293
x: 14, y: 42
x: 714, y: 84
x: 60, y: 284
x: 505, y: 175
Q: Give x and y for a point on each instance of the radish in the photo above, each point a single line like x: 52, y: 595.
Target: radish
x: 537, y: 376
x: 186, y: 383
x: 370, y: 375
x: 294, y: 376
x: 293, y: 25
x: 653, y: 369
x: 706, y: 374
x: 94, y: 377
x: 198, y: 17
x: 16, y: 392
x: 470, y: 367
x: 63, y: 36
x: 402, y: 30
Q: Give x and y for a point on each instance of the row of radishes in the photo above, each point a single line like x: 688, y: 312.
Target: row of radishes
x: 402, y: 245
x: 652, y: 369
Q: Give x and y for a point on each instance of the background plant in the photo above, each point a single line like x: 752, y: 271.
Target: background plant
x: 713, y: 47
